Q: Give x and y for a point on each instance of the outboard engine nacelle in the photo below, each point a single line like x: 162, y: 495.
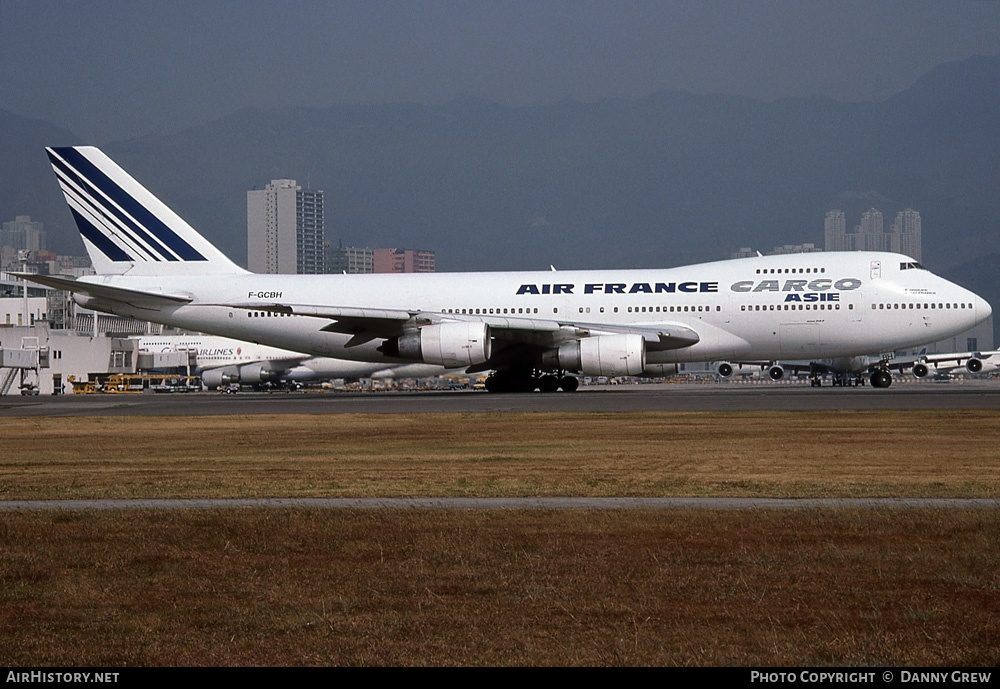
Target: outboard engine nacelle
x: 974, y: 365
x: 257, y: 373
x: 448, y: 344
x: 605, y: 355
x: 217, y: 377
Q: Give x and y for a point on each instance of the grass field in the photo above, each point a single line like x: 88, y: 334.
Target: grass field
x: 779, y: 454
x: 415, y: 587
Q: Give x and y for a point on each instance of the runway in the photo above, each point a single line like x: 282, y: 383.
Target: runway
x: 564, y: 503
x: 721, y: 397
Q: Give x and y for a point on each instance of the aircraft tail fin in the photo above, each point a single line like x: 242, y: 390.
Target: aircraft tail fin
x: 125, y: 228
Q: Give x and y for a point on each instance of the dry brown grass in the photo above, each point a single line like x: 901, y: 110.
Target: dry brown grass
x: 274, y: 587
x: 808, y: 454
x: 415, y: 587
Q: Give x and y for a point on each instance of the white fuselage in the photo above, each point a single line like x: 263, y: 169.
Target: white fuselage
x: 772, y: 307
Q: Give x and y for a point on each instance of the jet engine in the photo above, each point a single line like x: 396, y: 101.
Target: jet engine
x: 446, y: 344
x: 974, y: 365
x: 776, y: 372
x: 217, y: 377
x: 247, y: 374
x: 606, y: 355
x: 725, y: 369
x: 259, y: 372
x: 920, y: 370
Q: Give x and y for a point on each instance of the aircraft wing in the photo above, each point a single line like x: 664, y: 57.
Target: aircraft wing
x: 368, y: 324
x: 974, y: 362
x: 957, y: 358
x: 137, y: 298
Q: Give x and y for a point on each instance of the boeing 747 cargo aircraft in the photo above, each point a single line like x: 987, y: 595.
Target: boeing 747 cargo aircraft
x: 532, y: 330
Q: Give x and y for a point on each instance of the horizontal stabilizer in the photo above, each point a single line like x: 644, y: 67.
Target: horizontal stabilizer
x: 137, y: 298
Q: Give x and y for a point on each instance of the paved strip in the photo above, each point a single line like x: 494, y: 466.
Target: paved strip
x: 721, y: 397
x: 567, y: 503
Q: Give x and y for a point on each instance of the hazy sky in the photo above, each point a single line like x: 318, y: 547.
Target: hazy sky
x: 109, y: 69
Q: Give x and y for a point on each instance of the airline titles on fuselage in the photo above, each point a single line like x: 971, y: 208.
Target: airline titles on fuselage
x: 620, y: 288
x: 798, y: 290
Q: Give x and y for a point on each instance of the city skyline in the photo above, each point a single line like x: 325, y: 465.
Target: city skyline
x: 903, y: 237
x: 355, y: 260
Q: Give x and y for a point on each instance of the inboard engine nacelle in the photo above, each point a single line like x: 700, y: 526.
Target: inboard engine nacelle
x: 447, y: 344
x: 607, y: 355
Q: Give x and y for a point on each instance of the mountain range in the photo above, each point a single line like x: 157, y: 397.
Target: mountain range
x: 664, y: 180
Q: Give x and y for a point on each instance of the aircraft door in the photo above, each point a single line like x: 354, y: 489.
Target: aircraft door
x: 876, y: 270
x: 799, y: 340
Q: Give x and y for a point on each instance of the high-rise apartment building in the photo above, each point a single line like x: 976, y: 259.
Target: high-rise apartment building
x: 835, y: 230
x: 403, y: 261
x: 285, y: 229
x: 23, y: 234
x: 906, y: 230
x: 348, y: 259
x: 868, y: 235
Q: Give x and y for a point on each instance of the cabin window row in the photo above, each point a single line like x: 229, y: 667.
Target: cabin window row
x: 582, y: 309
x: 793, y: 307
x: 494, y: 311
x: 785, y: 271
x: 922, y: 305
x: 668, y: 309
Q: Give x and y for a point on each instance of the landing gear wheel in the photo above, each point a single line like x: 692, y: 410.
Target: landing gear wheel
x: 881, y: 379
x: 548, y: 383
x: 569, y: 383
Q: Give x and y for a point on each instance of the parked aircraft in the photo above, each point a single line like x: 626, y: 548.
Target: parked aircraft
x: 848, y: 371
x: 972, y: 362
x: 222, y: 361
x: 844, y: 371
x: 531, y: 329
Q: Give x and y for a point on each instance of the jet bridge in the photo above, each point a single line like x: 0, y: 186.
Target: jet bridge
x: 22, y: 364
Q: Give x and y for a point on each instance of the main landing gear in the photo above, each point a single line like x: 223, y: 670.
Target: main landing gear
x: 529, y: 381
x: 844, y: 380
x: 881, y: 378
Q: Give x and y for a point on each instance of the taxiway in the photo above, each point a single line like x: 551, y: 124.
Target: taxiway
x: 981, y: 394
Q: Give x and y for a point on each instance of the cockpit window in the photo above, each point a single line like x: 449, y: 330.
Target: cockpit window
x: 911, y: 265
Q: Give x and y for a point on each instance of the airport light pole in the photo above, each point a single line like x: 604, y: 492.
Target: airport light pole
x: 22, y: 256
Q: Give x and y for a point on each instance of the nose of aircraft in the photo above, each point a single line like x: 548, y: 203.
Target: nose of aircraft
x: 983, y: 309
